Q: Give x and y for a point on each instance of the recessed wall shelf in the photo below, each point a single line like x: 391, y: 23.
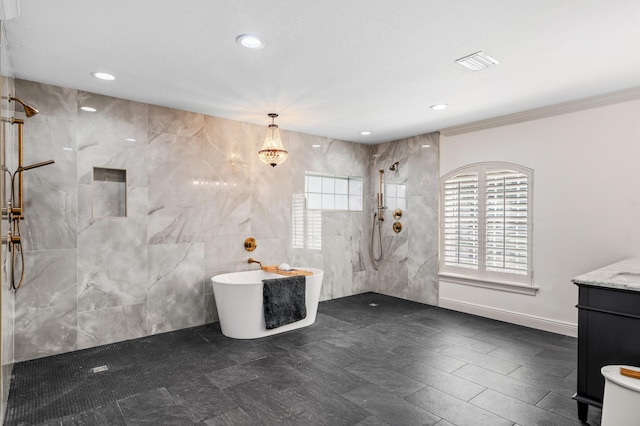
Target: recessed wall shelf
x: 109, y: 192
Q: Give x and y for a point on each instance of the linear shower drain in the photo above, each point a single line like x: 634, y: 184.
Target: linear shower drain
x: 99, y: 369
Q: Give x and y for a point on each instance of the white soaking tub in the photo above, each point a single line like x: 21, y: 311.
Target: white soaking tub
x: 239, y: 302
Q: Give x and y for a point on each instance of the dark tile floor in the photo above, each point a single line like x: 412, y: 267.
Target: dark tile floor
x: 395, y: 363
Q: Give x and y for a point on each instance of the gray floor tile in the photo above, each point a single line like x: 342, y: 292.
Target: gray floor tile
x: 481, y: 360
x: 428, y: 357
x: 453, y: 385
x: 330, y: 376
x: 363, y: 340
x: 444, y: 422
x: 460, y: 341
x: 100, y: 416
x: 387, y: 358
x: 518, y: 411
x: 330, y: 354
x: 168, y: 416
x: 147, y: 402
x: 405, y: 330
x: 390, y: 408
x: 454, y: 410
x: 236, y: 417
x: 567, y: 407
x: 545, y: 380
x: 503, y: 384
x: 549, y: 340
x: 372, y: 421
x: 550, y: 366
x: 307, y: 376
x: 391, y: 381
x: 231, y: 376
x: 263, y: 403
x: 324, y: 406
x: 201, y: 399
x: 508, y: 341
x: 54, y: 422
x: 278, y: 374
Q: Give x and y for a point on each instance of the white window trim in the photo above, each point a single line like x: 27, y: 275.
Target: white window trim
x: 515, y: 283
x: 509, y: 287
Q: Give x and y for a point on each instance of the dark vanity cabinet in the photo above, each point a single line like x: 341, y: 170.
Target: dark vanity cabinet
x: 608, y: 333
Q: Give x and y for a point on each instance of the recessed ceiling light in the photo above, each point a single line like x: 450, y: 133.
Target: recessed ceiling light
x: 426, y: 146
x: 130, y: 140
x: 315, y: 145
x: 365, y: 133
x: 88, y: 109
x: 250, y: 41
x: 438, y: 107
x: 477, y: 61
x: 103, y: 75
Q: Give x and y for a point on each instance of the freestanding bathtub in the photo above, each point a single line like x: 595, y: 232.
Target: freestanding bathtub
x: 239, y: 302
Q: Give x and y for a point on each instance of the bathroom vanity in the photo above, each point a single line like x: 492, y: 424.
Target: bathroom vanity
x: 608, y: 327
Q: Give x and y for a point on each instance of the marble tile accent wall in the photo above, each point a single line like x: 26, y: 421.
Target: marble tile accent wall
x: 195, y: 191
x: 409, y: 267
x: 46, y: 305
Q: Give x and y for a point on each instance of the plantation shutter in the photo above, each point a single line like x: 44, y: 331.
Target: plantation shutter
x: 460, y: 235
x: 506, y: 239
x: 297, y: 220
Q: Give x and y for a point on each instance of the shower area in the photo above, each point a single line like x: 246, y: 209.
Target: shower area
x: 403, y: 220
x: 193, y: 191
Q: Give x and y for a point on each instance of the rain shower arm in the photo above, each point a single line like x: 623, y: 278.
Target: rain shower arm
x: 34, y: 166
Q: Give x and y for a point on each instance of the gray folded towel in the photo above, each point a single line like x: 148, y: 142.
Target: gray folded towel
x: 284, y: 300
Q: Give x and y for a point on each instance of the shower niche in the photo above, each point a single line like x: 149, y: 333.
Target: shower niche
x: 109, y: 192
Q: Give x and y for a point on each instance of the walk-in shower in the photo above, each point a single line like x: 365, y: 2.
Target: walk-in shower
x: 14, y: 212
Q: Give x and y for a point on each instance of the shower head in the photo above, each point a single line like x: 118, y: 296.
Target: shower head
x: 29, y: 110
x: 33, y: 166
x: 394, y: 166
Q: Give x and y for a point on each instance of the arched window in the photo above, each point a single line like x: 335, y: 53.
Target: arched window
x: 485, y: 222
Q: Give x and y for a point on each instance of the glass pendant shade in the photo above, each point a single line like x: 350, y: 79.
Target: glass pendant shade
x: 272, y: 152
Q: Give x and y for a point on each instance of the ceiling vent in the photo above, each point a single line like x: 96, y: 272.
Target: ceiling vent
x: 477, y: 61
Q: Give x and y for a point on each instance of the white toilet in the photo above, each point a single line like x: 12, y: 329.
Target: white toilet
x: 621, y: 403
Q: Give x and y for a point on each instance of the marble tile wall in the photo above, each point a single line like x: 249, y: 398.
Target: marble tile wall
x: 409, y: 266
x: 195, y: 191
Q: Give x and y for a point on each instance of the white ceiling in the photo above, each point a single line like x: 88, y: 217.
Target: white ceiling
x: 333, y: 67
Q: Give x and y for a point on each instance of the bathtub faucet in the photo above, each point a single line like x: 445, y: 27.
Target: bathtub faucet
x: 252, y: 260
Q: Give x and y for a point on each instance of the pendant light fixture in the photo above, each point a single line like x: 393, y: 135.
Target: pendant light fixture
x: 272, y: 152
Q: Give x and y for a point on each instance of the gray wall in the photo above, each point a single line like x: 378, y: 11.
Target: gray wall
x: 409, y: 265
x: 195, y: 191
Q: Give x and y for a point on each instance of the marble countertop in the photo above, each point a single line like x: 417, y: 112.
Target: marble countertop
x: 623, y: 275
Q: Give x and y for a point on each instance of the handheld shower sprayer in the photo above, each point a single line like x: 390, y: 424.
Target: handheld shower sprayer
x: 378, y: 217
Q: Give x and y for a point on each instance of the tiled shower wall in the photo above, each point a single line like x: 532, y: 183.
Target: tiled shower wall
x: 409, y: 265
x: 195, y: 191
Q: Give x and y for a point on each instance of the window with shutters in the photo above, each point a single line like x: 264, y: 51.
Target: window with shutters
x: 486, y: 223
x: 306, y: 225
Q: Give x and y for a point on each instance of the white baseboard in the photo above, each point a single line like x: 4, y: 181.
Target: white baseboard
x: 532, y: 321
